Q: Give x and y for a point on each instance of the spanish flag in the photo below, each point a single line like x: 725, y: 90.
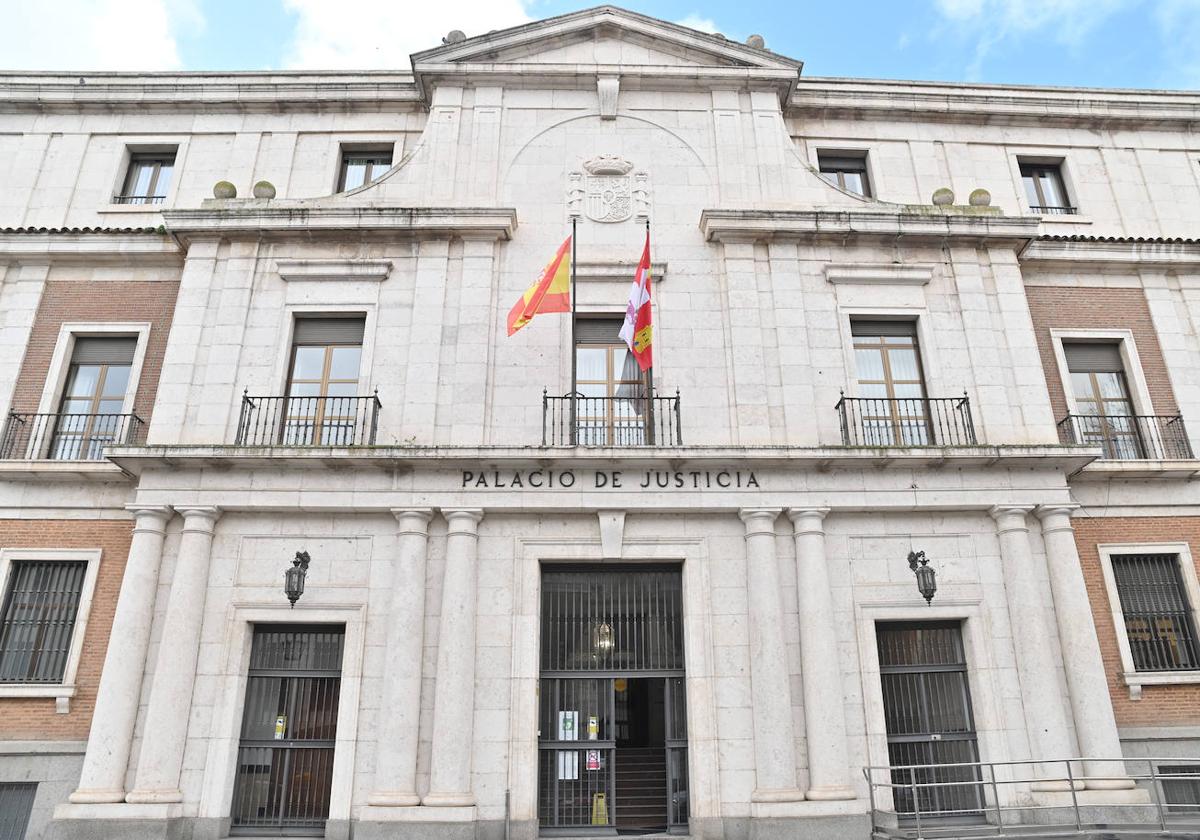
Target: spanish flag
x: 550, y: 293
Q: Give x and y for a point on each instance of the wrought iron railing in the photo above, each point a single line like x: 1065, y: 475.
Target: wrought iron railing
x: 308, y: 421
x: 576, y: 420
x: 917, y: 421
x: 138, y: 199
x: 1141, y: 437
x: 66, y: 437
x: 1002, y: 799
x: 1053, y: 209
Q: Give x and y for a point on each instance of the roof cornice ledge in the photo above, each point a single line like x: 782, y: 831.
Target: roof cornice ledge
x: 258, y: 217
x: 928, y: 224
x: 1112, y: 250
x: 65, y: 246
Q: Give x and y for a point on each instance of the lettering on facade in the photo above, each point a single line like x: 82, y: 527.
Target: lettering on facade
x: 610, y: 479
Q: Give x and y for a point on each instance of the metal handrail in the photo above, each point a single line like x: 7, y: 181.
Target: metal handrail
x: 905, y: 422
x: 1129, y: 437
x: 66, y: 436
x: 138, y: 199
x: 1015, y: 795
x: 308, y: 421
x: 577, y: 420
x: 1054, y: 209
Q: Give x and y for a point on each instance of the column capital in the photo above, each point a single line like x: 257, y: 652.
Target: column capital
x: 199, y: 517
x: 807, y: 520
x: 463, y: 520
x: 412, y: 520
x: 150, y: 517
x: 759, y: 520
x: 1056, y: 517
x: 1010, y: 517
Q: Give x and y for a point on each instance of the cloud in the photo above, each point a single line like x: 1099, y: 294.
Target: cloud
x: 704, y: 24
x: 95, y: 34
x: 364, y: 34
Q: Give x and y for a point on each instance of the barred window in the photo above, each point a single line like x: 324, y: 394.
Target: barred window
x: 37, y: 620
x: 16, y: 804
x: 1180, y: 788
x: 1158, y: 620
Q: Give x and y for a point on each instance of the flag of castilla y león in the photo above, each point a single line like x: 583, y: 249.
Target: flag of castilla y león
x: 638, y: 331
x: 551, y: 292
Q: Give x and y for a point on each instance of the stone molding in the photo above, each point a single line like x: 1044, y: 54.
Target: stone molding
x: 885, y: 274
x: 1128, y: 254
x: 377, y: 270
x: 918, y: 223
x: 254, y: 217
x: 90, y: 248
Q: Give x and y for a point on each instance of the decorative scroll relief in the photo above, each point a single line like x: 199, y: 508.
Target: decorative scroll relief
x: 608, y: 190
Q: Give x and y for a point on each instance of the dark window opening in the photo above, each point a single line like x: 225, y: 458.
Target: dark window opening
x: 846, y: 170
x: 1158, y: 618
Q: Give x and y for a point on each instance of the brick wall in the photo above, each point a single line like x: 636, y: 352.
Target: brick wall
x: 1074, y: 308
x: 65, y: 301
x: 1161, y: 705
x: 35, y: 718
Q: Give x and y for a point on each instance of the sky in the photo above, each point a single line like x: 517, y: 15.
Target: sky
x: 1095, y: 43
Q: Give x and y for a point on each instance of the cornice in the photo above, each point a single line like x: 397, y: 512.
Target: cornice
x: 89, y: 247
x: 1129, y: 253
x: 255, y: 218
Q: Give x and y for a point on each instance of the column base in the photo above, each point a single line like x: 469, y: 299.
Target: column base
x: 830, y: 793
x: 448, y: 800
x: 1055, y: 785
x: 393, y: 799
x: 777, y: 795
x: 1109, y: 784
x: 153, y: 797
x: 97, y: 796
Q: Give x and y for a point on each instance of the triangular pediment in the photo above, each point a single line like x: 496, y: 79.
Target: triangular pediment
x: 605, y: 35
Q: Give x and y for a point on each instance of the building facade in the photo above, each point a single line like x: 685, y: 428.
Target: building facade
x: 255, y: 322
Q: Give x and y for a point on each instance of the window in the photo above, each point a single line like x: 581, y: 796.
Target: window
x: 148, y: 179
x: 1180, y: 795
x: 362, y: 167
x: 613, y: 390
x: 37, y: 619
x: 16, y: 804
x: 1157, y: 617
x: 323, y: 406
x: 1044, y: 188
x: 89, y: 415
x: 1104, y: 412
x: 847, y: 170
x: 891, y: 392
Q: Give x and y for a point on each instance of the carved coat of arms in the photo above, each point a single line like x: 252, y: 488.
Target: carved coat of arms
x: 606, y: 191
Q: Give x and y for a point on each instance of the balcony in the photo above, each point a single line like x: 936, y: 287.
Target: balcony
x: 1053, y: 209
x: 919, y: 421
x: 138, y: 199
x: 576, y: 420
x: 1142, y: 437
x: 308, y: 421
x: 67, y: 437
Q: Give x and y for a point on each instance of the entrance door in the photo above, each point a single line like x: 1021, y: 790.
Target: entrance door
x: 927, y: 708
x: 285, y: 759
x: 613, y: 738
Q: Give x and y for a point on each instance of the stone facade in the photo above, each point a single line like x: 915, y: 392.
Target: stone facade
x: 427, y: 545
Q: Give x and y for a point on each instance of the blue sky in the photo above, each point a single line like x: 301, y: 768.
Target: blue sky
x: 1101, y: 43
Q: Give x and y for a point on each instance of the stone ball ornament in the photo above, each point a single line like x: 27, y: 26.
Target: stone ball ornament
x: 756, y: 41
x: 980, y: 198
x: 454, y: 36
x: 224, y: 189
x: 264, y: 189
x: 943, y: 196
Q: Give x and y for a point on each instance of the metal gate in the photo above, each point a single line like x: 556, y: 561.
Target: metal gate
x: 285, y: 759
x: 927, y: 709
x: 603, y: 630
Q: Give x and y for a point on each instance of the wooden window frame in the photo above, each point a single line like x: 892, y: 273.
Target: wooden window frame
x: 838, y: 163
x: 157, y: 160
x: 1035, y: 170
x: 612, y: 385
x: 897, y: 421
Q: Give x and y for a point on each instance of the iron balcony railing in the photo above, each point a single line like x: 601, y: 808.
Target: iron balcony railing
x: 1141, y: 437
x: 576, y: 420
x: 66, y: 437
x: 1036, y: 798
x: 917, y: 421
x: 138, y: 199
x: 308, y: 421
x: 1053, y: 209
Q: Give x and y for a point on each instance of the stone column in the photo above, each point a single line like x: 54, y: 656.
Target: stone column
x: 770, y: 692
x: 454, y: 693
x: 169, y: 708
x: 1037, y: 671
x: 103, y: 776
x: 1095, y: 726
x: 400, y: 703
x: 824, y: 723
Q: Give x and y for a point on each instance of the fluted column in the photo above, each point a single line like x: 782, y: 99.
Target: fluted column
x: 1095, y: 726
x: 1045, y: 716
x: 400, y: 704
x: 770, y: 692
x: 824, y: 723
x: 168, y: 712
x: 103, y: 776
x: 454, y: 693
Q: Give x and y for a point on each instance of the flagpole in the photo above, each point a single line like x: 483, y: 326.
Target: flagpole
x: 574, y: 351
x: 650, y: 372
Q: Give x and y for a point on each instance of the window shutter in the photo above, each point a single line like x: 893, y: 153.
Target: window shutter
x: 893, y: 329
x: 1094, y: 357
x: 329, y: 330
x: 598, y: 330
x: 91, y: 350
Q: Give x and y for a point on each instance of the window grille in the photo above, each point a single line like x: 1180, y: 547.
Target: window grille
x: 16, y: 804
x: 1158, y: 621
x: 1180, y: 788
x: 38, y: 619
